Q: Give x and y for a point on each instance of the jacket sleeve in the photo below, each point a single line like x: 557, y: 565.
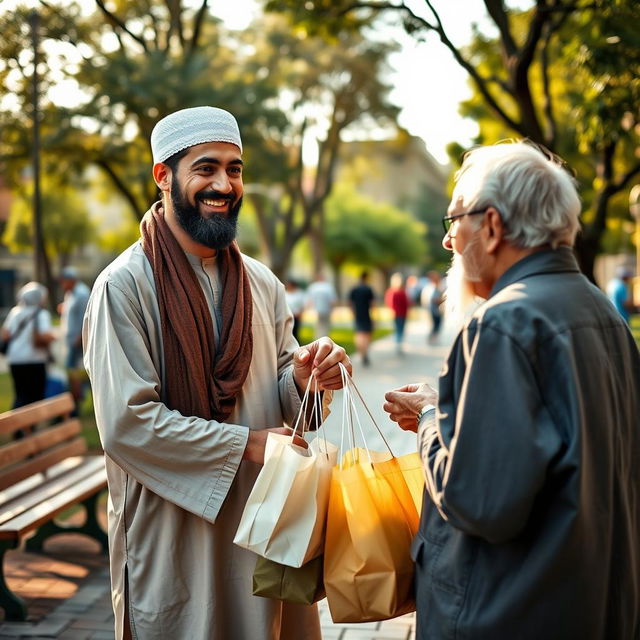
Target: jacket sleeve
x: 487, y: 454
x: 186, y: 460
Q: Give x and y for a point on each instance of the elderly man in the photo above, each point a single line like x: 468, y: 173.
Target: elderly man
x: 192, y: 361
x: 531, y: 519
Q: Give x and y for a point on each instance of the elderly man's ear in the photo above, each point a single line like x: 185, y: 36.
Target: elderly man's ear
x: 494, y: 230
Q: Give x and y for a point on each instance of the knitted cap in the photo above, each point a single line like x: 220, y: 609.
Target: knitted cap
x: 188, y: 127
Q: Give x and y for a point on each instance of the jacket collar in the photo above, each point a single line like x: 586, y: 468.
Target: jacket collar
x: 561, y: 260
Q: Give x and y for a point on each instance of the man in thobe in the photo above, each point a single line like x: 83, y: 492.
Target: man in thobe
x: 192, y: 363
x: 531, y: 520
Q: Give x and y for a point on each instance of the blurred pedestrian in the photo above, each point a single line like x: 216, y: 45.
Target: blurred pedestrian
x: 619, y: 292
x: 530, y: 526
x: 397, y: 300
x: 72, y: 309
x: 362, y: 298
x: 29, y: 333
x: 321, y: 296
x: 296, y: 300
x: 431, y: 299
x: 413, y: 287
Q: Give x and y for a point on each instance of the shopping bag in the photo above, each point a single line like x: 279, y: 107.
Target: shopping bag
x: 285, y: 514
x: 413, y: 473
x: 372, y: 519
x: 300, y: 585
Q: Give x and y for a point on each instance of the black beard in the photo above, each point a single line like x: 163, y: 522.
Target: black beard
x: 217, y: 232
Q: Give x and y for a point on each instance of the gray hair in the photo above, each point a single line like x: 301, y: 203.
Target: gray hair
x: 534, y: 194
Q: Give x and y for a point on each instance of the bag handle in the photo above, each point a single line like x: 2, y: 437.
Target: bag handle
x: 316, y: 413
x: 349, y: 409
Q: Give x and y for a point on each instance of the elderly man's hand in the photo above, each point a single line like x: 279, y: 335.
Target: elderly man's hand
x: 404, y: 404
x: 321, y: 358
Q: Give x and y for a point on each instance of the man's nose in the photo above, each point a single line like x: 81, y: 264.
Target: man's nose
x: 221, y: 182
x: 446, y: 242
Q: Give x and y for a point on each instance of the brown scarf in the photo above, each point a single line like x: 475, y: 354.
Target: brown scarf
x: 201, y: 380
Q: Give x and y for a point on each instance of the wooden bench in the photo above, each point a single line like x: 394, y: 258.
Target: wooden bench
x: 41, y: 475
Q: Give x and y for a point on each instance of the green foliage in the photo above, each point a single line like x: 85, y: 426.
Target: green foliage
x: 65, y: 221
x: 564, y: 74
x: 326, y: 18
x: 136, y: 62
x: 344, y: 336
x: 593, y: 89
x: 364, y: 232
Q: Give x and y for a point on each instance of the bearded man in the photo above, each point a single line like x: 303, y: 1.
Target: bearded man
x: 531, y: 519
x: 192, y: 363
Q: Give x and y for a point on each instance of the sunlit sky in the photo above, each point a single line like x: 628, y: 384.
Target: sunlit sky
x: 428, y: 83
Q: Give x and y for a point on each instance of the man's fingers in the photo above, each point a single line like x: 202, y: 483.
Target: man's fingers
x: 302, y: 356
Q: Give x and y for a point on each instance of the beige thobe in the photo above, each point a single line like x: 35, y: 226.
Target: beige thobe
x: 177, y: 484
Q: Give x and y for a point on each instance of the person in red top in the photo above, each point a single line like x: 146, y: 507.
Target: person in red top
x: 397, y: 300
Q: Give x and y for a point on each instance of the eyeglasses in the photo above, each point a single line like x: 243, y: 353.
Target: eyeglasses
x: 447, y: 221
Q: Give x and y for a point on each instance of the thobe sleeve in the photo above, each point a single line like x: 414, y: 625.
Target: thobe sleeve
x: 186, y: 460
x: 486, y: 455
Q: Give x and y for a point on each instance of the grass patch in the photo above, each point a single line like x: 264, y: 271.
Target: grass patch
x: 344, y: 336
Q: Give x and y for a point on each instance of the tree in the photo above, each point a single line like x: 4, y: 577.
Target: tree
x: 67, y: 226
x: 363, y: 232
x: 514, y: 80
x: 329, y: 88
x: 135, y: 62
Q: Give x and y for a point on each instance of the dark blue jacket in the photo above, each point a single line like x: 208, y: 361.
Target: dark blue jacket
x: 531, y: 524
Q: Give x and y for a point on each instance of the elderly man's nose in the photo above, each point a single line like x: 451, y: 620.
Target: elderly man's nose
x: 446, y: 241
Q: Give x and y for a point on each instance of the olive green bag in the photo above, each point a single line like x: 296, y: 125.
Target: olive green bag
x: 300, y: 585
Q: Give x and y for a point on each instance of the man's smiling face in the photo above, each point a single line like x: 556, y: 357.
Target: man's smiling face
x: 206, y: 193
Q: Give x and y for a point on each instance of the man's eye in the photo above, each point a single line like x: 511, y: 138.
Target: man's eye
x: 235, y: 171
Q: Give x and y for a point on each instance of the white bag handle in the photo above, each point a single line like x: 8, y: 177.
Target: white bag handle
x: 316, y: 414
x: 349, y: 410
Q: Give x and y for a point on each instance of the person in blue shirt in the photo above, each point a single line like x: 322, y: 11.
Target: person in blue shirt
x: 619, y: 292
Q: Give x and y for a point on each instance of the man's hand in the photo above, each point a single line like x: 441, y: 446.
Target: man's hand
x: 321, y: 358
x: 404, y: 404
x: 254, y: 451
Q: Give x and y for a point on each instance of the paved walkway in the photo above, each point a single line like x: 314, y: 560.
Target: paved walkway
x: 67, y: 590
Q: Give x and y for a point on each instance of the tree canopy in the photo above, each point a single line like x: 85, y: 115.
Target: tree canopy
x: 135, y: 62
x: 563, y: 73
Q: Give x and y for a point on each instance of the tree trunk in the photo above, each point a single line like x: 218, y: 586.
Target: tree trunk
x: 316, y: 240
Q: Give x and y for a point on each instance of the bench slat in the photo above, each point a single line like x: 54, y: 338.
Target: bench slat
x: 39, y: 441
x: 35, y: 412
x: 47, y: 488
x: 24, y: 486
x: 45, y: 511
x: 38, y: 463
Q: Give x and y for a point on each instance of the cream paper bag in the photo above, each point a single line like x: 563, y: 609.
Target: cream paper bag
x: 285, y: 515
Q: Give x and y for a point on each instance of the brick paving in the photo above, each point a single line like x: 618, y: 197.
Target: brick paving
x: 67, y: 588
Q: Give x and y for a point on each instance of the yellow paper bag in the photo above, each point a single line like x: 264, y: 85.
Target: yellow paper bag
x: 372, y: 518
x: 413, y: 473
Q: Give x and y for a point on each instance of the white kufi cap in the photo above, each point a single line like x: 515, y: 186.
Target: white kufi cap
x: 188, y: 127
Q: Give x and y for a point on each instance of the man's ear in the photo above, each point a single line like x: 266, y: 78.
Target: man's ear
x: 494, y: 230
x: 162, y: 176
